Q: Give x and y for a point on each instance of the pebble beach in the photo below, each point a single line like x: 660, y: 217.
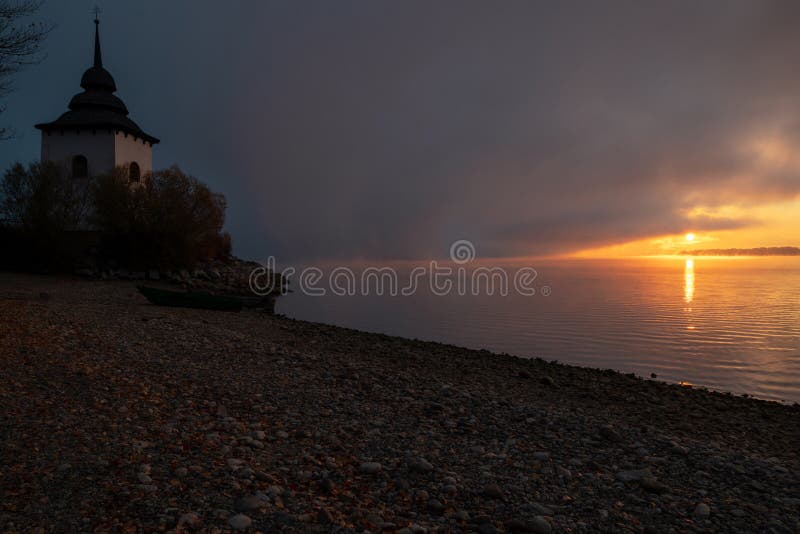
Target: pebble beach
x: 120, y: 416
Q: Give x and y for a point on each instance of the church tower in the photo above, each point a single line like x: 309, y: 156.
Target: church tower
x: 96, y: 135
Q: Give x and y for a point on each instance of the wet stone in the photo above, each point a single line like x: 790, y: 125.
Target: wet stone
x: 240, y: 522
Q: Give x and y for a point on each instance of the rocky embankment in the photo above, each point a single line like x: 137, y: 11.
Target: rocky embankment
x: 229, y: 276
x: 117, y: 416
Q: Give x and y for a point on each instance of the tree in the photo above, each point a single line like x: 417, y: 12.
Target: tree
x: 170, y: 220
x: 118, y: 207
x: 19, y: 43
x: 41, y: 208
x: 42, y: 200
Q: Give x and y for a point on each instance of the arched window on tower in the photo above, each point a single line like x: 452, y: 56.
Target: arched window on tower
x: 80, y: 167
x: 134, y: 173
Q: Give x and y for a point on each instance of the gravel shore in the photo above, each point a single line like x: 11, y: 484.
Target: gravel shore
x: 119, y: 416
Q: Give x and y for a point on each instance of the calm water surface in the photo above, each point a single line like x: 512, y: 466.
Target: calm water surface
x: 727, y: 324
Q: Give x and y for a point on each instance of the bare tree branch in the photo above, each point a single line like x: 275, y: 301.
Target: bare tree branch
x: 20, y: 43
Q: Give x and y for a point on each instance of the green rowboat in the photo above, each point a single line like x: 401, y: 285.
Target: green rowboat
x: 184, y: 299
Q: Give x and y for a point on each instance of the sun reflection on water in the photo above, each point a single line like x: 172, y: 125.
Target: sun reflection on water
x: 688, y: 291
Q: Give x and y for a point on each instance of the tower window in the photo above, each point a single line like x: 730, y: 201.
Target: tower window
x: 134, y: 173
x: 80, y: 167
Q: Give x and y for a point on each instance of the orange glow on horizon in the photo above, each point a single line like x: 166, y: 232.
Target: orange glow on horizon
x: 767, y: 225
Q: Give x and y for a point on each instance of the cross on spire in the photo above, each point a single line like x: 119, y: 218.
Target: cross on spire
x: 98, y: 57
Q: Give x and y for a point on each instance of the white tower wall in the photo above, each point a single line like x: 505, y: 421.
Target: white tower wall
x: 97, y: 147
x: 129, y: 149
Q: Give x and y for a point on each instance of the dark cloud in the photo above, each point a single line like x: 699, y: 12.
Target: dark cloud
x: 388, y: 130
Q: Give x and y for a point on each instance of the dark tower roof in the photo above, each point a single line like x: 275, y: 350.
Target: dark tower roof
x: 97, y: 107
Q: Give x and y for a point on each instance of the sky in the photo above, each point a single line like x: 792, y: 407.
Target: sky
x: 388, y: 130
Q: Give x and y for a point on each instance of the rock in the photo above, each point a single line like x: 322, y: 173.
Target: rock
x: 608, y: 433
x: 675, y: 448
x: 541, y: 525
x: 189, y: 519
x: 542, y: 456
x: 144, y: 478
x: 181, y: 472
x: 435, y: 506
x: 240, y: 522
x: 461, y: 515
x: 493, y: 491
x: 702, y: 510
x: 547, y: 381
x: 538, y: 509
x: 651, y: 485
x: 633, y: 475
x: 324, y: 517
x: 374, y: 519
x: 283, y: 519
x: 370, y: 468
x: 235, y: 463
x: 326, y: 485
x: 420, y: 465
x: 517, y: 525
x: 248, y: 503
x: 245, y: 472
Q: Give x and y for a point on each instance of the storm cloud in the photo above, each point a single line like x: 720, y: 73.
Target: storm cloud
x: 360, y: 129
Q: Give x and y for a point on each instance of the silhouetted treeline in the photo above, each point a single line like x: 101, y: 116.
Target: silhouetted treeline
x: 50, y: 221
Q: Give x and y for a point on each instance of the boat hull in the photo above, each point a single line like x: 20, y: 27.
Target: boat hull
x: 183, y: 299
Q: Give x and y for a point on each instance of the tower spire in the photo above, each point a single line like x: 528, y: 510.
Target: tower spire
x: 98, y: 57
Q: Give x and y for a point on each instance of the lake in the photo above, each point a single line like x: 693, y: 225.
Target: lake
x: 725, y: 324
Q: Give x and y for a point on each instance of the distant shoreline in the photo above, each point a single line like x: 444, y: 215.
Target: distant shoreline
x: 761, y: 251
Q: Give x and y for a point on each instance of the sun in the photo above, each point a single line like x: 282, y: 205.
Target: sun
x: 690, y: 237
